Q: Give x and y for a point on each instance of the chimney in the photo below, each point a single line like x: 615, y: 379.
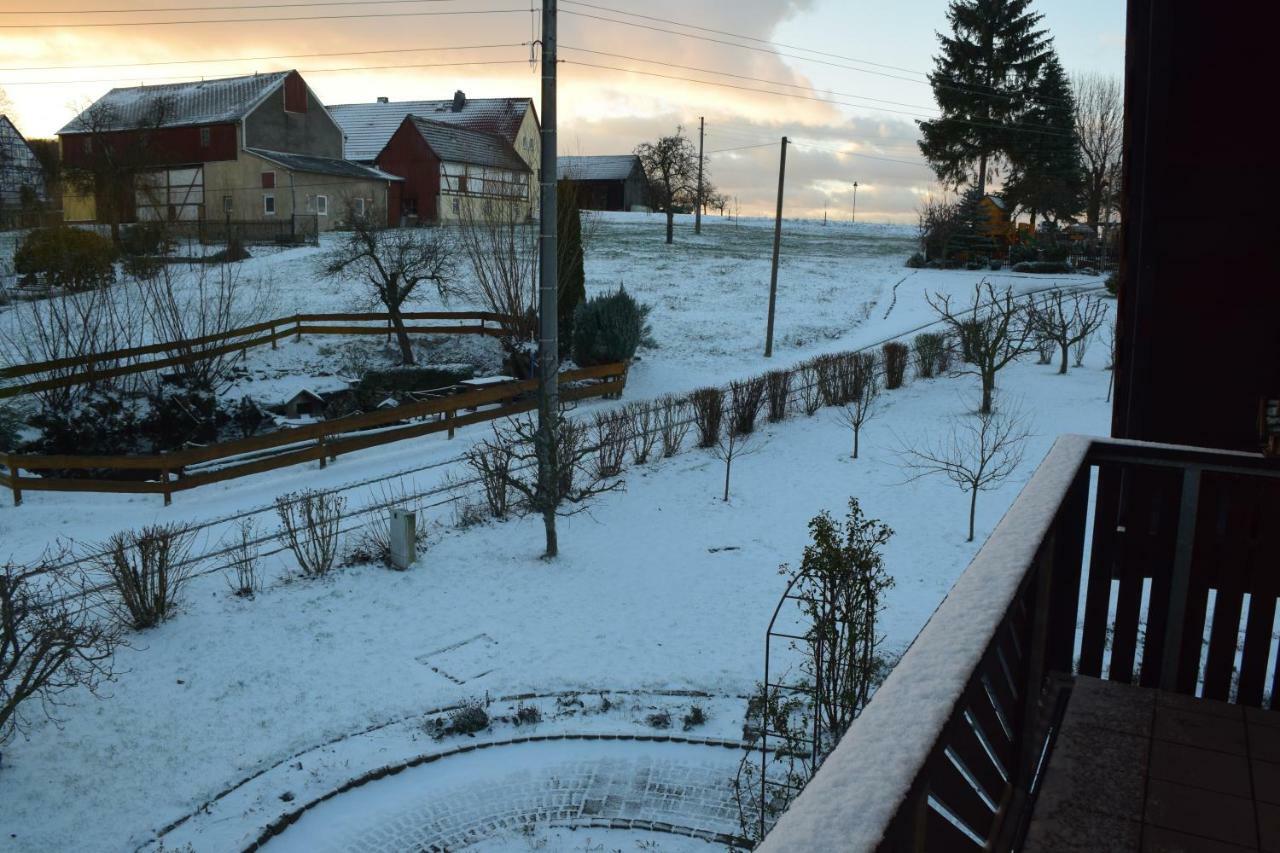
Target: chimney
x: 383, y: 100
x: 459, y: 101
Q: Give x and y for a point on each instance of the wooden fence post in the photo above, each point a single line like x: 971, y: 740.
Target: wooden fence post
x: 297, y: 320
x: 274, y: 344
x: 13, y: 479
x: 324, y: 460
x: 164, y: 481
x: 451, y: 415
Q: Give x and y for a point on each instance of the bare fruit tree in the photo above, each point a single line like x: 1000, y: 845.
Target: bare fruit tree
x: 977, y: 454
x: 502, y: 248
x: 992, y: 332
x: 733, y: 444
x: 671, y: 164
x: 1066, y: 320
x: 393, y: 263
x: 864, y: 406
x: 50, y: 642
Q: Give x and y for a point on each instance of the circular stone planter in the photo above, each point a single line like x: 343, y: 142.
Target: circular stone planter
x: 507, y: 791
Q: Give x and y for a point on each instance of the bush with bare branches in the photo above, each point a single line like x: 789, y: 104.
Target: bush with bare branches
x: 896, y: 356
x: 929, y: 348
x: 991, y: 330
x: 147, y: 570
x: 242, y: 559
x: 309, y: 527
x: 491, y: 463
x: 1063, y: 320
x: 675, y: 421
x: 612, y: 436
x: 745, y: 400
x: 645, y: 430
x: 502, y: 248
x: 50, y: 642
x: 810, y: 390
x: 778, y: 393
x: 708, y: 413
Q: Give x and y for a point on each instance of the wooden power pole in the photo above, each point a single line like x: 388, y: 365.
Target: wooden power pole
x: 697, y: 208
x: 548, y: 288
x: 777, y: 244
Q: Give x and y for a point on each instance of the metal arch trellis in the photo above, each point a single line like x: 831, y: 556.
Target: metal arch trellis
x: 817, y: 639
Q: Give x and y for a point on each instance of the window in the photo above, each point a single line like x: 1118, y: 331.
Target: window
x: 269, y: 204
x: 457, y: 207
x: 204, y: 137
x: 322, y: 205
x: 226, y: 205
x: 268, y: 180
x: 357, y: 206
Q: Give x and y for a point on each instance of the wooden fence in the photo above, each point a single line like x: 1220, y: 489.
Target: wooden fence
x: 190, y: 468
x: 97, y: 367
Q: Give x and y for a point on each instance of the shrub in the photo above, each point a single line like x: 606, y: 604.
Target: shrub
x: 929, y: 353
x: 309, y: 523
x: 468, y: 719
x: 996, y: 266
x: 372, y: 541
x: 608, y: 329
x: 674, y: 423
x: 826, y: 369
x: 103, y: 424
x: 147, y: 570
x: 242, y: 560
x: 1113, y: 283
x: 528, y: 715
x: 67, y: 258
x: 778, y: 391
x: 695, y: 717
x: 708, y: 412
x: 179, y: 416
x: 916, y: 261
x: 810, y: 388
x: 145, y: 239
x: 1042, y: 267
x: 746, y: 398
x: 10, y: 423
x: 235, y: 251
x: 895, y: 364
x: 1056, y: 253
x: 645, y: 431
x: 612, y: 436
x: 945, y: 355
x: 659, y: 719
x: 1022, y: 252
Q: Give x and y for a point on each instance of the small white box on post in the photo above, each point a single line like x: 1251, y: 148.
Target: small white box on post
x: 404, y: 538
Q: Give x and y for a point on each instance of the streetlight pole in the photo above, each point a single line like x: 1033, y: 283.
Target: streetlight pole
x: 853, y: 214
x: 548, y: 288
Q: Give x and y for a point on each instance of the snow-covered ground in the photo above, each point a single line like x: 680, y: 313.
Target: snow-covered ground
x: 660, y: 587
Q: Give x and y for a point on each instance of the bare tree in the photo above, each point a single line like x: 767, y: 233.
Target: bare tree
x: 573, y: 464
x: 1099, y: 124
x: 393, y: 263
x: 991, y: 330
x: 50, y: 642
x: 502, y: 248
x: 671, y: 165
x: 863, y: 407
x: 185, y: 308
x: 1065, y: 319
x: 977, y: 454
x: 733, y: 443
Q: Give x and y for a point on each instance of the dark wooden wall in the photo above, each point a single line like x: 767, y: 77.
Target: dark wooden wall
x: 408, y: 156
x: 1199, y: 308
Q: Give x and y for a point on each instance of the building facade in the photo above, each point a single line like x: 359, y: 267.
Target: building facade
x: 21, y: 176
x: 609, y: 182
x: 256, y: 148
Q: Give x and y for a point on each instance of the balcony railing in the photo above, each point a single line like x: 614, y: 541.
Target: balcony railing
x: 1147, y: 564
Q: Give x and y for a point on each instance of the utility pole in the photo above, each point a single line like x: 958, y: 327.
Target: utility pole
x: 697, y: 210
x: 777, y: 244
x: 853, y: 214
x: 548, y: 289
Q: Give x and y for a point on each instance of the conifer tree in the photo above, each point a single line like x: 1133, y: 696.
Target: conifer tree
x: 1047, y: 172
x: 572, y: 285
x: 980, y: 78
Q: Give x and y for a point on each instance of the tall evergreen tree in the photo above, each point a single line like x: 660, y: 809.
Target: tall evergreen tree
x: 572, y: 285
x: 980, y: 79
x: 1047, y: 175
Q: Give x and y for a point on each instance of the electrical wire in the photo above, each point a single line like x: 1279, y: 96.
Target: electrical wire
x: 61, y: 25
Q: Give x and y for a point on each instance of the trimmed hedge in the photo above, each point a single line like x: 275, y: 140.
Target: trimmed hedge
x: 67, y: 258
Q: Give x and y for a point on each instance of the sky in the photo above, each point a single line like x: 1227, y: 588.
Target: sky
x: 851, y: 71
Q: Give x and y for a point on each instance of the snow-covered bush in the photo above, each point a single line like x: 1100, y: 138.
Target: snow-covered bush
x: 146, y: 239
x: 470, y: 718
x: 708, y: 413
x: 147, y: 569
x: 916, y: 261
x: 10, y: 423
x: 895, y: 364
x: 103, y: 423
x: 609, y: 328
x: 309, y: 527
x: 68, y: 258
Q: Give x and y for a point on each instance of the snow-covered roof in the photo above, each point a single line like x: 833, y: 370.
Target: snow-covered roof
x: 461, y: 145
x: 998, y: 201
x: 323, y: 165
x: 367, y: 127
x: 177, y: 104
x: 607, y: 167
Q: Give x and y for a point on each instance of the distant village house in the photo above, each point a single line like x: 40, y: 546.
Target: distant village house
x: 609, y: 182
x: 21, y: 176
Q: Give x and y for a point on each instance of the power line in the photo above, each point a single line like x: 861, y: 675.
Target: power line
x: 743, y: 148
x: 61, y: 25
x: 254, y: 58
x: 252, y: 7
x: 300, y: 70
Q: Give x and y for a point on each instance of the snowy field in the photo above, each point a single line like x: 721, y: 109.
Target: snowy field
x: 661, y: 587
